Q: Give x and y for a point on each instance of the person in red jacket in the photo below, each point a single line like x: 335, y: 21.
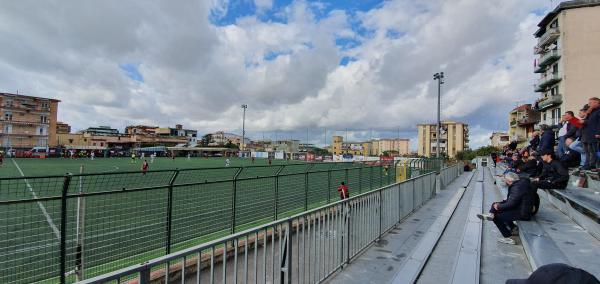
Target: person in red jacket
x: 343, y: 190
x: 145, y: 167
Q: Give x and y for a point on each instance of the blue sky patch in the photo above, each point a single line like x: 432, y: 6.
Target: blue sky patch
x: 132, y: 71
x: 347, y: 59
x: 272, y: 55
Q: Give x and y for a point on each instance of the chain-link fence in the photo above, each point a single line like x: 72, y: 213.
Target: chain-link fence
x: 303, y: 248
x: 72, y: 227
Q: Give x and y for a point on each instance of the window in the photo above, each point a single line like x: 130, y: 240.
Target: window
x: 555, y: 68
x: 8, y: 128
x: 554, y: 24
x: 9, y: 103
x: 8, y: 115
x: 44, y: 119
x: 41, y: 131
x: 554, y: 90
x: 44, y: 104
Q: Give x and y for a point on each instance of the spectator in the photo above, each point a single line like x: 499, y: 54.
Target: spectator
x: 535, y: 141
x: 547, y: 139
x: 512, y: 145
x: 589, y: 137
x: 570, y: 158
x: 556, y: 273
x: 577, y: 145
x: 494, y: 157
x: 517, y: 206
x: 529, y: 166
x: 568, y: 129
x: 553, y: 176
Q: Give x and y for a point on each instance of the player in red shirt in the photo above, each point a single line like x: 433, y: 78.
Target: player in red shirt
x: 145, y: 167
x: 343, y: 190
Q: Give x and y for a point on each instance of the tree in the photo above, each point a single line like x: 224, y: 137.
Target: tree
x: 320, y: 152
x: 469, y: 154
x: 390, y: 153
x: 206, y: 139
x: 230, y: 145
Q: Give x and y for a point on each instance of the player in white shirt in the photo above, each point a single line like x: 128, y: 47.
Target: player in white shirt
x: 227, y: 162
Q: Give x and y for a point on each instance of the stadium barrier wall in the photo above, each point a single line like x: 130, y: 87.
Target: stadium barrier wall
x: 304, y: 248
x: 72, y: 227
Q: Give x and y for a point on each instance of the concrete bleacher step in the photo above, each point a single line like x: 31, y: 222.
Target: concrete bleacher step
x: 416, y: 261
x: 579, y: 204
x: 553, y: 235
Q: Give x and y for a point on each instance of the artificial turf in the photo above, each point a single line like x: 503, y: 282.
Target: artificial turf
x: 125, y: 213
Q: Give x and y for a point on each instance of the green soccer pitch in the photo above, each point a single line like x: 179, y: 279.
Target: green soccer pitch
x: 123, y: 219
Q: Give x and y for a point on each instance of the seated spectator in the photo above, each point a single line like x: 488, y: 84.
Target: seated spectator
x: 547, y: 139
x: 553, y: 176
x: 577, y: 145
x: 529, y: 166
x: 570, y: 158
x: 517, y: 206
x: 535, y: 141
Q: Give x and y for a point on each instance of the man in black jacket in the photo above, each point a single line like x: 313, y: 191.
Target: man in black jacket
x: 553, y: 176
x: 591, y: 128
x: 517, y: 206
x: 547, y: 138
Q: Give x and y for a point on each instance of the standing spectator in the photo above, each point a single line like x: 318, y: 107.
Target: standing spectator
x: 547, y: 139
x: 589, y: 133
x: 494, y: 158
x: 512, y: 145
x: 517, y: 206
x: 145, y: 167
x: 535, y: 141
x: 577, y: 145
x: 343, y: 190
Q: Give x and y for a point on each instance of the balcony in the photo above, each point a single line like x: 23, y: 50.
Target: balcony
x: 549, y: 57
x: 513, y: 123
x: 525, y: 121
x: 549, y: 36
x: 547, y: 81
x: 547, y: 102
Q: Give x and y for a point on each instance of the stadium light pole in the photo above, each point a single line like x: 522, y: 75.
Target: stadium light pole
x: 243, y: 126
x: 440, y: 78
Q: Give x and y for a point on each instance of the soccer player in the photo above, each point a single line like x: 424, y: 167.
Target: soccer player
x: 227, y: 162
x: 188, y: 156
x: 145, y: 167
x: 132, y: 158
x: 142, y: 155
x: 92, y: 155
x: 343, y: 190
x: 1, y: 158
x: 152, y: 158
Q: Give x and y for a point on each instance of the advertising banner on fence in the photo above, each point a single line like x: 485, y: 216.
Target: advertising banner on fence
x: 279, y: 155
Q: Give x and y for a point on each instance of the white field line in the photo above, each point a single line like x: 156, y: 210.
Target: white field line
x: 48, y: 218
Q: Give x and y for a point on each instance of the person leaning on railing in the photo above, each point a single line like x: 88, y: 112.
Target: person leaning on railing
x: 590, y: 133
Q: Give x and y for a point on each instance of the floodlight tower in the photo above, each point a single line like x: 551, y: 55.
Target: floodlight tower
x: 244, y: 106
x: 440, y: 78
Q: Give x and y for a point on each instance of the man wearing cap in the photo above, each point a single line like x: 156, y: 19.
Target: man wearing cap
x: 517, y: 206
x: 553, y: 176
x: 557, y: 273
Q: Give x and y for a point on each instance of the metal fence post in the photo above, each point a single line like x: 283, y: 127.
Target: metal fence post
x: 234, y: 200
x: 287, y: 256
x: 306, y: 191
x: 170, y: 210
x: 360, y: 178
x: 380, y: 212
x: 329, y: 186
x: 276, y: 207
x: 63, y: 228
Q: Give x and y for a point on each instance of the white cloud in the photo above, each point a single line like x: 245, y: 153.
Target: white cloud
x: 288, y: 73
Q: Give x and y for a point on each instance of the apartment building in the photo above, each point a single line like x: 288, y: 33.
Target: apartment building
x: 341, y: 147
x: 62, y: 127
x: 499, y: 139
x: 101, y: 131
x: 27, y: 122
x: 567, y: 58
x: 399, y: 145
x: 454, y: 138
x: 521, y: 123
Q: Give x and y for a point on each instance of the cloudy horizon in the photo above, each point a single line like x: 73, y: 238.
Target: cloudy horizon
x: 302, y: 67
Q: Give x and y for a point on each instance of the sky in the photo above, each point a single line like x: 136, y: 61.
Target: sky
x: 362, y: 69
